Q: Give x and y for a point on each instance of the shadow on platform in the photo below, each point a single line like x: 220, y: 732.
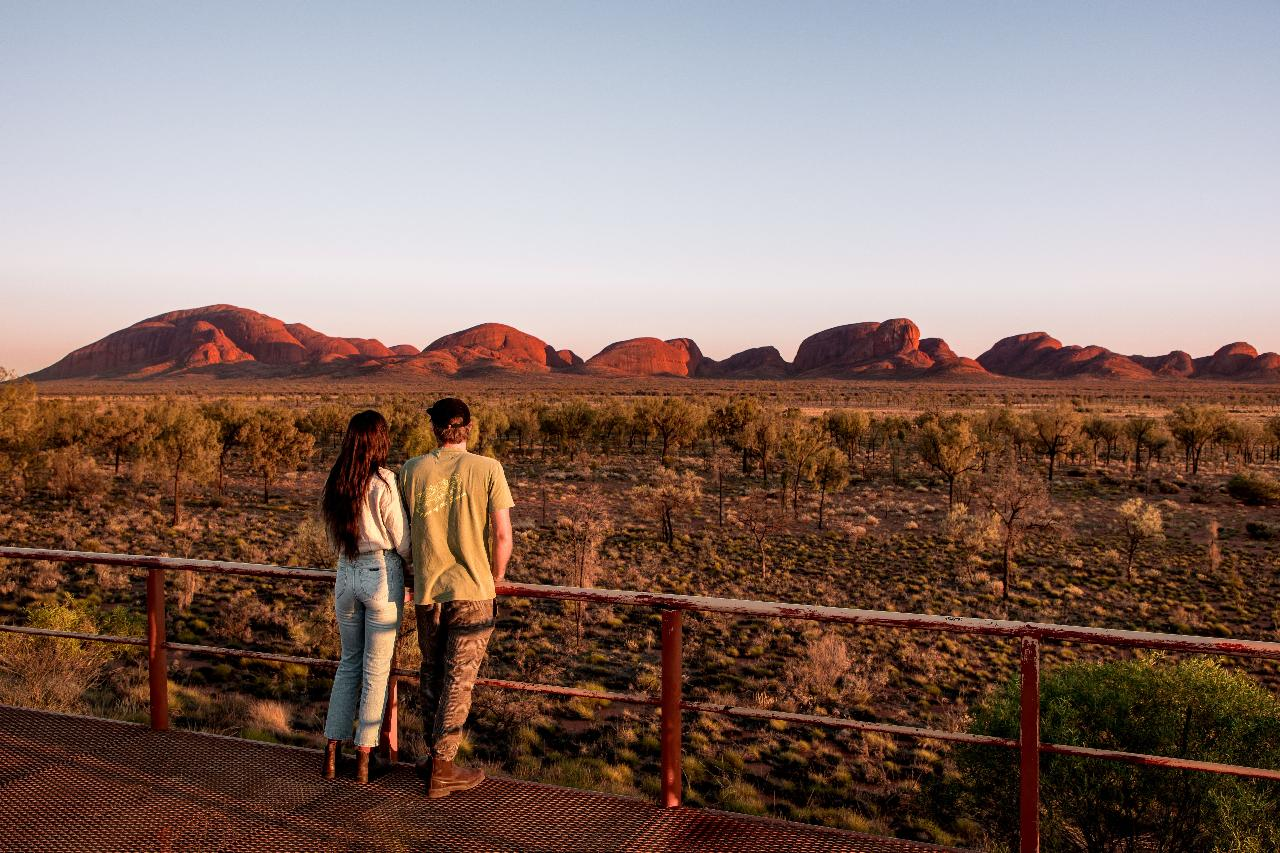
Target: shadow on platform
x: 80, y: 784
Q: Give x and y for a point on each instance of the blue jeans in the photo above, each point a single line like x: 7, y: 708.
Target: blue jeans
x: 368, y: 597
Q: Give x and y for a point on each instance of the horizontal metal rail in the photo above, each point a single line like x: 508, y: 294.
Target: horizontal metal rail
x: 670, y: 702
x: 728, y: 606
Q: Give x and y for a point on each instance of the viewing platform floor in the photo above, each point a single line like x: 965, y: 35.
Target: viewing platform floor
x: 81, y: 784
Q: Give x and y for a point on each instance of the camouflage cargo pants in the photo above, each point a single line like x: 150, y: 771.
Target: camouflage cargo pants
x: 452, y: 637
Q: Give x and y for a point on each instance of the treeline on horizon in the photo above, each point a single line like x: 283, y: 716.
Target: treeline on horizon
x: 66, y: 443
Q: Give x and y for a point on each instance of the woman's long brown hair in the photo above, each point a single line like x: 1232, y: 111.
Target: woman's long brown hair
x: 365, y: 448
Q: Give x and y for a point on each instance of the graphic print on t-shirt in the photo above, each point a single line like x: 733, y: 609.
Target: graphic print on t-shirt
x: 440, y: 495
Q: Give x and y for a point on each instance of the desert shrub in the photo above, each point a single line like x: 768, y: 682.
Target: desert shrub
x: 1194, y: 709
x: 309, y: 545
x: 1254, y: 489
x: 1261, y: 530
x: 54, y: 674
x: 72, y: 471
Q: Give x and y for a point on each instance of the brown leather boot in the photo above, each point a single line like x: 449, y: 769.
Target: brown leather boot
x: 370, y: 764
x: 329, y: 768
x: 447, y: 778
x: 363, y: 756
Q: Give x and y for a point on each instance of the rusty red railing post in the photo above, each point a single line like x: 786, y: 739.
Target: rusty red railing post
x: 157, y: 659
x: 1029, y: 748
x: 671, y: 734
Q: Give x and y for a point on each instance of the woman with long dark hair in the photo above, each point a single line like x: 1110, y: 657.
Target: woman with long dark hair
x: 368, y: 527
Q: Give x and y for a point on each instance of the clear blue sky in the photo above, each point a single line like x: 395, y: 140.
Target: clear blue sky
x: 741, y: 173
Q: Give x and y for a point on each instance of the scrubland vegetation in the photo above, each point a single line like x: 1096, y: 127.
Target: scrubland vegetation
x: 1118, y: 507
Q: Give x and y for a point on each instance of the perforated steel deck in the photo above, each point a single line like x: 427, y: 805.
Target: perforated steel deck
x: 79, y: 784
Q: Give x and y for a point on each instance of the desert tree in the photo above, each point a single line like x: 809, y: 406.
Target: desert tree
x: 19, y: 440
x: 752, y: 515
x: 1194, y: 427
x: 640, y: 425
x: 273, y: 444
x: 488, y: 424
x: 730, y: 420
x: 610, y: 425
x: 419, y: 438
x: 1245, y: 439
x: 668, y: 497
x: 716, y: 464
x: 1273, y: 437
x: 893, y: 431
x: 676, y: 421
x: 799, y: 443
x: 994, y: 429
x: 121, y: 432
x: 568, y: 423
x: 761, y: 436
x: 1020, y: 505
x: 327, y: 422
x: 1053, y: 430
x: 949, y: 447
x: 1141, y: 431
x: 522, y: 419
x: 1158, y: 442
x: 229, y: 419
x: 581, y: 530
x: 184, y: 441
x: 847, y: 428
x: 1103, y: 432
x: 1141, y: 523
x: 830, y: 474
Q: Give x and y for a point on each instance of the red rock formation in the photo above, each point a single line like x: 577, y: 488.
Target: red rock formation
x: 321, y: 346
x: 756, y: 363
x: 370, y: 347
x: 948, y: 365
x: 1265, y: 366
x: 563, y: 359
x: 1035, y: 355
x: 937, y: 349
x: 181, y: 340
x: 863, y: 349
x: 229, y: 341
x: 958, y: 368
x: 1176, y: 363
x: 647, y: 357
x: 1018, y: 355
x: 1229, y: 362
x: 489, y: 346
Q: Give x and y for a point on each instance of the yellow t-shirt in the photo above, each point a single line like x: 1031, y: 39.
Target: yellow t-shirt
x: 449, y: 495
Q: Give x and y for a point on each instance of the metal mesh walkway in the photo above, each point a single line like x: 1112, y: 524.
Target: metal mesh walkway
x: 79, y: 784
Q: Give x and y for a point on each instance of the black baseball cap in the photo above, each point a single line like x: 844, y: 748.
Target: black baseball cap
x: 444, y: 412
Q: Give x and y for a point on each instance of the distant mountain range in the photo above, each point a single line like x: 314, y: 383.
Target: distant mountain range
x: 226, y: 341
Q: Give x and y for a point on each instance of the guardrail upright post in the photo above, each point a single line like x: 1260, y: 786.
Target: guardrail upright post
x: 671, y: 733
x: 157, y: 659
x: 1029, y: 746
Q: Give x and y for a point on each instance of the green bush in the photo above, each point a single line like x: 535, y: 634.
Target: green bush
x: 1254, y: 489
x: 1261, y: 530
x: 1194, y: 709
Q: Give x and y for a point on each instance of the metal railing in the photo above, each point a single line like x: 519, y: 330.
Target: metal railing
x: 670, y: 701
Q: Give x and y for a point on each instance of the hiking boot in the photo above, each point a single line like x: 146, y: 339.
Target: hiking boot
x: 423, y: 769
x: 448, y: 778
x: 370, y: 765
x: 329, y: 767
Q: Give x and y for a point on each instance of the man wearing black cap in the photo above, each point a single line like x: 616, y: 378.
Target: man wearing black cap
x: 457, y: 502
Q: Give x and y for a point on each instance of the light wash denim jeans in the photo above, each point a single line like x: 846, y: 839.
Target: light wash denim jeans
x: 368, y: 597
